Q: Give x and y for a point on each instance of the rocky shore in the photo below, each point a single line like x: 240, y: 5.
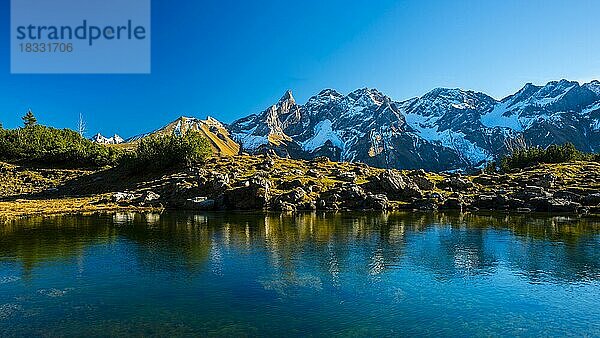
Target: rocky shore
x: 272, y: 183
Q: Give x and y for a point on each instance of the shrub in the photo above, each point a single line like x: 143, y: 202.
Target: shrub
x: 530, y: 156
x: 43, y: 145
x: 164, y: 151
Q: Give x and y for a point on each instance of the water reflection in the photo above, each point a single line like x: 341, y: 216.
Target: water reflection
x: 332, y: 244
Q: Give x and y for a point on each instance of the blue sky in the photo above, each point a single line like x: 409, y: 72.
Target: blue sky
x: 231, y: 58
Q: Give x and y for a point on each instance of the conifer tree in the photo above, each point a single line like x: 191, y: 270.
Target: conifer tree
x: 29, y: 119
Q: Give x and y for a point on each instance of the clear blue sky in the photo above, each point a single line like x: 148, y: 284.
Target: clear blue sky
x: 231, y: 58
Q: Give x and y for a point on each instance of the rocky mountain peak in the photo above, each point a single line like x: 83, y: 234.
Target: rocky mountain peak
x: 329, y: 93
x: 325, y: 97
x: 593, y: 86
x: 287, y: 98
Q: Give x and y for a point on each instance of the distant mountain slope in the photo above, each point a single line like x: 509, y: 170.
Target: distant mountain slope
x: 443, y: 129
x: 213, y: 130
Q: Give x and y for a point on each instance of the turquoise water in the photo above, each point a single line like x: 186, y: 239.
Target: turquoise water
x: 350, y: 274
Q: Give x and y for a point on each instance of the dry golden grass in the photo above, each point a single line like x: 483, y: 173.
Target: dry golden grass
x: 22, y: 208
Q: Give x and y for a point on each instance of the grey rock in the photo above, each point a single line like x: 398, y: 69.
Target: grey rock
x: 458, y: 183
x: 592, y: 199
x: 396, y: 186
x: 200, y: 203
x: 150, y: 196
x: 348, y: 176
x: 122, y: 197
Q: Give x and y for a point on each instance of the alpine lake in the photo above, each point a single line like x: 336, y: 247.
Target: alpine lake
x: 363, y: 274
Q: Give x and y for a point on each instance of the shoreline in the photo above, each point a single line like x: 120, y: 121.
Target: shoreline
x: 264, y: 183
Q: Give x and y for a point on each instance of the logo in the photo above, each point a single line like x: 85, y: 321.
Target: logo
x: 80, y: 36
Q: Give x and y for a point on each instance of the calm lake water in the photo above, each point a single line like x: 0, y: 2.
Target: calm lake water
x: 350, y: 274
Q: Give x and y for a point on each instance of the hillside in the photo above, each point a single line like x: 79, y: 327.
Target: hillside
x: 214, y: 131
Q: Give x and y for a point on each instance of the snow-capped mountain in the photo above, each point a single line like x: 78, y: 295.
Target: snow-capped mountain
x: 115, y: 139
x: 559, y: 112
x: 443, y: 129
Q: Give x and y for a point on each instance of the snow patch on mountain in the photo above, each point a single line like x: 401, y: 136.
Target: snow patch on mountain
x: 426, y: 128
x: 502, y: 117
x: 591, y: 108
x: 323, y: 132
x: 250, y: 142
x: 540, y: 100
x: 115, y: 139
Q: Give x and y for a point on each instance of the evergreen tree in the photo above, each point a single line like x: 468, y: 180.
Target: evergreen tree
x: 29, y: 119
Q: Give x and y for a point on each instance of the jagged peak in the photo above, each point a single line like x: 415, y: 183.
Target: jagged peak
x: 558, y: 85
x: 329, y: 92
x: 442, y: 91
x: 287, y: 97
x: 210, y: 119
x: 593, y: 86
x: 325, y: 96
x: 527, y: 91
x: 565, y: 81
x: 528, y: 86
x: 368, y: 95
x: 365, y: 91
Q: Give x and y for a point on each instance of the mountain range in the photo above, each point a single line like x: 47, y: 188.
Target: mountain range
x: 442, y: 130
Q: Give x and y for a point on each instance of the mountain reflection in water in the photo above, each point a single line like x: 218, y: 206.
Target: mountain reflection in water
x: 379, y: 266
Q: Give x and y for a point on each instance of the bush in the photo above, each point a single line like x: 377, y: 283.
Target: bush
x: 526, y: 157
x: 165, y: 151
x: 38, y: 144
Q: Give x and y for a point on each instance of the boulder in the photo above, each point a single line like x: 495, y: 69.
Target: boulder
x: 419, y: 177
x: 349, y: 196
x: 425, y: 204
x: 487, y: 202
x: 453, y: 203
x: 313, y: 173
x: 546, y: 181
x: 567, y: 195
x: 347, y: 176
x: 396, y: 186
x: 293, y: 197
x: 150, y: 196
x: 320, y: 159
x: 253, y: 196
x: 200, y: 203
x: 287, y: 185
x: 592, y: 199
x: 457, y: 183
x: 376, y: 202
x: 486, y: 179
x: 545, y: 204
x: 266, y: 164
